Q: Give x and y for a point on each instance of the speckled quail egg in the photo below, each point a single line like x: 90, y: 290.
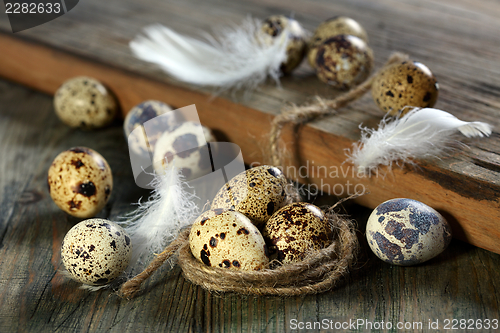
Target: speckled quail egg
x: 84, y: 102
x: 187, y: 146
x: 296, y: 48
x: 257, y: 193
x: 295, y: 230
x: 80, y: 181
x: 142, y: 113
x: 338, y: 25
x: 406, y: 232
x: 227, y: 239
x: 343, y: 61
x: 409, y: 83
x: 96, y: 251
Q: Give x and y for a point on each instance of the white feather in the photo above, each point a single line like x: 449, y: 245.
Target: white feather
x: 420, y: 133
x: 237, y: 57
x: 158, y: 220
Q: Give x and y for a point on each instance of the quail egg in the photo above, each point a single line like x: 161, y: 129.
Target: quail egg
x: 296, y: 48
x: 187, y: 146
x: 295, y: 230
x: 343, y: 61
x: 227, y: 239
x: 339, y: 25
x: 409, y: 83
x: 80, y: 181
x: 257, y: 193
x: 406, y: 232
x: 84, y: 102
x: 142, y: 113
x: 96, y: 251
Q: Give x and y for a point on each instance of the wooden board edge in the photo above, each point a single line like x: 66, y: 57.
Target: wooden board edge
x: 473, y: 219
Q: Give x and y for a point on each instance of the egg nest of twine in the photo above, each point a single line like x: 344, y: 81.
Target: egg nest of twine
x: 318, y: 272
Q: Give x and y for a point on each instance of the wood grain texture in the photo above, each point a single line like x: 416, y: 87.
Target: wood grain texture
x: 457, y: 40
x: 462, y: 282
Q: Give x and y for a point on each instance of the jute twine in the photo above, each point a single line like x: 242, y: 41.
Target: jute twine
x: 318, y: 272
x: 294, y: 114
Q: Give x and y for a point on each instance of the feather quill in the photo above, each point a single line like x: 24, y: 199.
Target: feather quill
x: 237, y: 57
x: 418, y: 134
x: 158, y: 220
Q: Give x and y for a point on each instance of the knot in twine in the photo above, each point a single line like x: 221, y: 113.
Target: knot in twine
x: 318, y: 272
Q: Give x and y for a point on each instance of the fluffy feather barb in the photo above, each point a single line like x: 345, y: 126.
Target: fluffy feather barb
x: 420, y: 133
x: 158, y: 220
x: 239, y: 57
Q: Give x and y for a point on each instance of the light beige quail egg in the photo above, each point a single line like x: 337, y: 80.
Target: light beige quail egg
x: 227, y: 239
x: 80, y: 181
x: 409, y: 83
x: 96, y: 251
x: 142, y: 113
x: 406, y: 232
x: 84, y: 102
x: 343, y: 61
x: 295, y: 230
x: 296, y: 48
x: 257, y: 193
x: 338, y: 25
x: 187, y: 146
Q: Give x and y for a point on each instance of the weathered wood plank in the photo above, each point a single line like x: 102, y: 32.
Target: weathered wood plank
x: 457, y: 40
x: 35, y: 297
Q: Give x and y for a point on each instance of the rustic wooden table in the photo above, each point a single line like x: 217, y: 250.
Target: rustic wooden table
x: 458, y: 40
x: 461, y: 283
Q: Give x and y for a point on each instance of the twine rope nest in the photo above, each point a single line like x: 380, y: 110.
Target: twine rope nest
x: 318, y: 272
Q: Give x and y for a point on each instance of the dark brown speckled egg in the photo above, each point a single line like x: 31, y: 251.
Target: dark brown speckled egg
x: 339, y: 25
x: 96, y: 251
x: 406, y: 232
x: 80, y: 181
x: 227, y: 239
x: 84, y: 102
x: 274, y: 25
x: 343, y: 61
x: 295, y: 230
x: 257, y: 193
x: 409, y: 83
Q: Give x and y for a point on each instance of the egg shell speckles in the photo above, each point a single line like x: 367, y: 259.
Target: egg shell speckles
x: 406, y: 232
x: 142, y: 113
x: 296, y: 48
x: 85, y: 103
x: 339, y: 25
x: 343, y: 61
x: 297, y: 229
x: 409, y: 83
x: 227, y: 239
x: 80, y: 181
x: 186, y: 145
x: 96, y: 251
x: 257, y: 193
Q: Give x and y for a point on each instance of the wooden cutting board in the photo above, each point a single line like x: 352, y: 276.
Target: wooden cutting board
x: 457, y: 40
